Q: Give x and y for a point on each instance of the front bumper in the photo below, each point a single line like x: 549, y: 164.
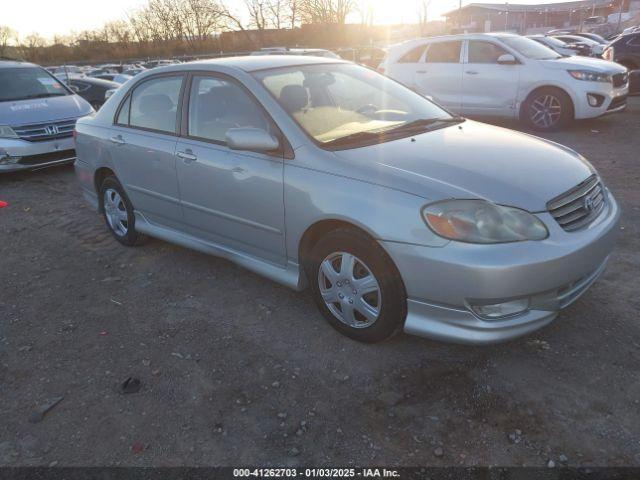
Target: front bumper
x: 441, y: 283
x: 33, y: 155
x: 613, y: 99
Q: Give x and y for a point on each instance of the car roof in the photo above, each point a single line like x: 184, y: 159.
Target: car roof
x: 252, y: 63
x: 16, y: 63
x: 459, y: 36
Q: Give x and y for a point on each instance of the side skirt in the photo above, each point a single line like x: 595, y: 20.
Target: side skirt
x: 288, y: 276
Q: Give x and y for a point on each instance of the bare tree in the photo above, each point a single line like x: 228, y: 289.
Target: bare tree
x: 423, y: 18
x: 293, y: 7
x: 258, y: 11
x: 6, y: 35
x: 326, y: 11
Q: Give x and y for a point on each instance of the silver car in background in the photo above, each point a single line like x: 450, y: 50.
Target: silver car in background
x: 324, y: 174
x: 37, y: 116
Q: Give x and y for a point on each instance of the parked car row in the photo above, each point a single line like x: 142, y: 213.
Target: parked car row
x: 510, y: 76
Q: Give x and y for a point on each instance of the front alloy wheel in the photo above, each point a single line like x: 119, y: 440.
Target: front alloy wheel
x: 356, y: 285
x: 547, y: 109
x: 349, y: 290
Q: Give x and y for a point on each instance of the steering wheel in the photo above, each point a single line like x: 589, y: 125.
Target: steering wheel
x: 367, y: 109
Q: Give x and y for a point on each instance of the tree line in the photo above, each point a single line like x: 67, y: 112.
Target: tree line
x: 175, y: 27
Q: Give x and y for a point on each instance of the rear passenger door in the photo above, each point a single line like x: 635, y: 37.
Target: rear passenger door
x: 230, y: 197
x: 439, y: 74
x: 404, y: 69
x: 142, y: 145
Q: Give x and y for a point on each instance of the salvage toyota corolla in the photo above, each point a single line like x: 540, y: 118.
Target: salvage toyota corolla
x: 322, y: 173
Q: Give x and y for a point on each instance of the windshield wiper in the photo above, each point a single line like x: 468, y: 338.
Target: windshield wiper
x: 424, y: 123
x: 421, y: 125
x: 354, y: 137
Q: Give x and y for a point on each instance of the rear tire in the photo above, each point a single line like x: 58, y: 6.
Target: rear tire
x: 547, y: 109
x: 117, y: 211
x: 356, y: 286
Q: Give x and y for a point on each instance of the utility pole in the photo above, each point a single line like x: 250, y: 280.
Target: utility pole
x: 620, y: 16
x: 506, y: 16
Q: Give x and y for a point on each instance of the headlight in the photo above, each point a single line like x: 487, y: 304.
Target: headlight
x: 7, y: 132
x: 590, y: 76
x: 479, y: 221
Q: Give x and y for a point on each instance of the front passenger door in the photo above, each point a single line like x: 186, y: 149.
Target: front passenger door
x: 229, y: 197
x: 439, y: 75
x: 489, y: 87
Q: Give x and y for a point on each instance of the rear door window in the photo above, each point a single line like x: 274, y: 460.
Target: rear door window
x: 444, y: 52
x: 414, y: 55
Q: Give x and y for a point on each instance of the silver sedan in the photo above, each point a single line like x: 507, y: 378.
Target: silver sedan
x: 323, y: 174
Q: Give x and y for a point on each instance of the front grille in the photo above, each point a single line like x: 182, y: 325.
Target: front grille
x: 40, y: 132
x: 618, y: 102
x: 48, y: 157
x: 620, y: 79
x: 579, y: 206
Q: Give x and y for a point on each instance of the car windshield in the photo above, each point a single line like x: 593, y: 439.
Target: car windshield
x: 343, y: 102
x: 530, y: 49
x: 29, y: 82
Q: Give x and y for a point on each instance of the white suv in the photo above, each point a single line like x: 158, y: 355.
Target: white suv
x: 508, y: 75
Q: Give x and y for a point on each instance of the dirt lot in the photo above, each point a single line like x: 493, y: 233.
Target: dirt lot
x: 238, y: 370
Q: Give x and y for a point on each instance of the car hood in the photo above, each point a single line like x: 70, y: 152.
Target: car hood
x: 41, y: 110
x: 580, y: 63
x: 471, y: 160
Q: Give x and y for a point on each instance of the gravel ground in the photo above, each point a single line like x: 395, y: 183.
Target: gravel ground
x: 238, y: 370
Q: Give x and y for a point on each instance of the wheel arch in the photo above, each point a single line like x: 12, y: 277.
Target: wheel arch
x: 98, y: 177
x: 548, y: 85
x: 319, y: 229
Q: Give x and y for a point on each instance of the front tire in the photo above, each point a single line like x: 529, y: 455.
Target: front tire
x: 117, y: 211
x: 356, y: 286
x: 547, y: 110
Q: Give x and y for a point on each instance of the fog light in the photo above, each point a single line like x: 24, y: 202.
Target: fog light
x: 7, y: 160
x: 500, y: 310
x: 595, y: 100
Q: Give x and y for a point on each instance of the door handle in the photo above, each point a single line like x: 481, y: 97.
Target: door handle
x: 187, y: 156
x: 238, y: 170
x: 421, y: 72
x: 118, y: 140
x: 471, y: 72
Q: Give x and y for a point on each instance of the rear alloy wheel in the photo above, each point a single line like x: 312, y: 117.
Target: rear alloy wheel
x: 118, y: 212
x: 547, y: 110
x: 356, y: 285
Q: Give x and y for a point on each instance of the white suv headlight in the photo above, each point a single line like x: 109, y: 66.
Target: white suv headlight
x: 7, y: 132
x: 479, y: 221
x: 590, y: 76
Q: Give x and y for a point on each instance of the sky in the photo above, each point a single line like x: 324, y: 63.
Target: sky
x: 61, y: 17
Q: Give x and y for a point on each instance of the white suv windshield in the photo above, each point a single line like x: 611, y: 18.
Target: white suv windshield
x: 336, y: 101
x: 28, y: 82
x: 530, y: 49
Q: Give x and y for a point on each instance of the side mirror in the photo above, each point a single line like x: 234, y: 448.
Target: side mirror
x: 249, y: 138
x: 507, y: 59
